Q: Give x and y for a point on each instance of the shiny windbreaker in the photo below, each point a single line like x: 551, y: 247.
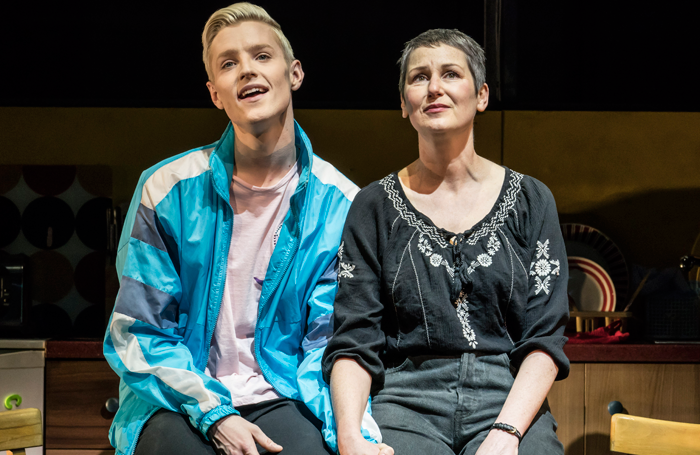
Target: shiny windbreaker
x: 172, y: 269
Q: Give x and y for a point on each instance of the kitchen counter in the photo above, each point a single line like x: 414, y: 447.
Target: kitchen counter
x: 577, y: 353
x: 74, y: 349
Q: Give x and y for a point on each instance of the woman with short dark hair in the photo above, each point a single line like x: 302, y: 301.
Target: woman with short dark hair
x: 452, y: 300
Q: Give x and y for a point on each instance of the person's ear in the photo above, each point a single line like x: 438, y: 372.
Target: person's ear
x: 404, y: 111
x: 215, y: 95
x: 482, y: 98
x: 296, y: 75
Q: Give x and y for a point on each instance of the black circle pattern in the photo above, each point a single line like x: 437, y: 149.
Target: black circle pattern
x: 91, y: 224
x: 48, y: 223
x: 10, y: 222
x: 89, y: 277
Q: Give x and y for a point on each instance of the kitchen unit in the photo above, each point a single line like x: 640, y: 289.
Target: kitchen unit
x: 654, y: 381
x: 22, y: 378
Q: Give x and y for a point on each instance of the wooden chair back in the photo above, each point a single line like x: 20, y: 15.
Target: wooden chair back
x: 642, y: 436
x: 20, y: 429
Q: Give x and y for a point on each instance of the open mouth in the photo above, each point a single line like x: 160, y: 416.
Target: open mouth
x: 251, y: 92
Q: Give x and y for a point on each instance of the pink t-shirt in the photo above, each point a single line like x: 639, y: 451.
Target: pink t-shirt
x: 258, y: 216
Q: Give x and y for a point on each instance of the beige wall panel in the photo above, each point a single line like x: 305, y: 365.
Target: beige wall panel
x: 365, y: 145
x: 128, y: 140
x: 633, y: 175
x: 566, y: 401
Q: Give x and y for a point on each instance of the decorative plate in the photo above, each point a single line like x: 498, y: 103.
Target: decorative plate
x: 587, y: 242
x: 590, y: 286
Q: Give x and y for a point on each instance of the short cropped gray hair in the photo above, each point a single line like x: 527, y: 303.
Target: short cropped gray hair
x: 434, y: 38
x: 233, y: 14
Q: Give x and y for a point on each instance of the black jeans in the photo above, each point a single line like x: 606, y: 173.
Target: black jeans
x: 287, y: 422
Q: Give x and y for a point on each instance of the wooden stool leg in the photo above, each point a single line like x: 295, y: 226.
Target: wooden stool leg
x: 579, y: 324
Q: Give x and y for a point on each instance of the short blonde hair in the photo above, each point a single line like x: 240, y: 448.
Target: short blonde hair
x: 233, y: 14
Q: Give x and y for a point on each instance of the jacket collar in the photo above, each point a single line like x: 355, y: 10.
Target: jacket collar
x: 221, y: 161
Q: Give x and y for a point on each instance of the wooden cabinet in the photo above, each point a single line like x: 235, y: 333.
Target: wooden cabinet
x: 660, y: 382
x: 76, y: 393
x: 655, y: 390
x: 567, y: 402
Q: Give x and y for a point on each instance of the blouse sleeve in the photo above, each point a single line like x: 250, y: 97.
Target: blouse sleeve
x: 547, y: 309
x: 358, y: 310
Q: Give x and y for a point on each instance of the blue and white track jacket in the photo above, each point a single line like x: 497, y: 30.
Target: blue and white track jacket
x: 172, y: 269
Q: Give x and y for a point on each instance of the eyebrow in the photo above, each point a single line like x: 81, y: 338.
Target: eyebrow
x: 252, y: 49
x: 426, y: 67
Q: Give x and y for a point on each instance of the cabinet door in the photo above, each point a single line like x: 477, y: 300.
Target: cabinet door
x: 76, y: 393
x: 566, y: 401
x: 656, y: 391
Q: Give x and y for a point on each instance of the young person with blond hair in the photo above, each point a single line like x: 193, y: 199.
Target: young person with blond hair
x: 227, y: 268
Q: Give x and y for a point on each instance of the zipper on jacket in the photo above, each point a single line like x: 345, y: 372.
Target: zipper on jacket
x: 278, y: 279
x: 222, y: 273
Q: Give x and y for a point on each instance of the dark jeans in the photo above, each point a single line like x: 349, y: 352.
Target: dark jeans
x: 445, y: 405
x: 287, y: 422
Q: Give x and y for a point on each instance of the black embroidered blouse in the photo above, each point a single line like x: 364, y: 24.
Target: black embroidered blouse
x: 407, y: 287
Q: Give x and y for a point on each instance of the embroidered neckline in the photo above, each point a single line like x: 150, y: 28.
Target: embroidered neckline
x: 407, y: 214
x: 505, y: 206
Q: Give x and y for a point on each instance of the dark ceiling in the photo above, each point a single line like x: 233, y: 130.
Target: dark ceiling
x: 561, y: 55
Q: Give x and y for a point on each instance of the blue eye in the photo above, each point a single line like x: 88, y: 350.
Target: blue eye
x: 227, y: 64
x: 263, y: 57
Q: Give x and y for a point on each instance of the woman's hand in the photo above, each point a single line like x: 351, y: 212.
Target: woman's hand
x: 234, y: 435
x: 360, y: 446
x: 499, y: 443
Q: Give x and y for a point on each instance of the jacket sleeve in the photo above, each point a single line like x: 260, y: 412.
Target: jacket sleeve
x: 313, y: 389
x: 144, y: 343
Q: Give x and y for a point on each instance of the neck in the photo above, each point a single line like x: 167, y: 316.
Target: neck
x: 447, y: 158
x: 263, y: 155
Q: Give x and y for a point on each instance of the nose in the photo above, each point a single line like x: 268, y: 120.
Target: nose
x: 247, y: 68
x: 435, y: 86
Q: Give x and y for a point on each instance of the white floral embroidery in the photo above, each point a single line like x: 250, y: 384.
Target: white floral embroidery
x: 463, y: 315
x: 499, y: 218
x: 505, y: 207
x: 543, y: 249
x: 436, y: 259
x: 555, y: 263
x: 493, y: 244
x: 484, y: 259
x: 542, y: 285
x: 424, y: 246
x: 542, y: 268
x: 345, y: 269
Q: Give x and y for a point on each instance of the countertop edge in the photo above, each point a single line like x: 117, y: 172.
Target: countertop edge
x: 74, y: 349
x: 577, y: 353
x: 633, y: 353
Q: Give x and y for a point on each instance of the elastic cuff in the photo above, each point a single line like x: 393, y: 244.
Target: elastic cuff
x: 213, y: 416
